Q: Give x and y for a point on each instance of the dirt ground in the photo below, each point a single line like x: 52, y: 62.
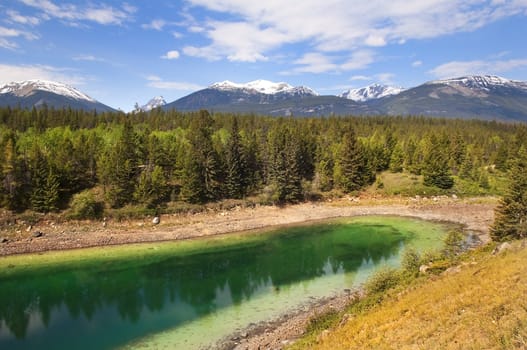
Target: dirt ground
x: 475, y: 213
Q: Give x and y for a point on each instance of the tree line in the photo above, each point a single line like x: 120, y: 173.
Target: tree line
x: 51, y: 157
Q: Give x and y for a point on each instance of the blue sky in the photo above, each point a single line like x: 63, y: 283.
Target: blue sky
x: 125, y: 52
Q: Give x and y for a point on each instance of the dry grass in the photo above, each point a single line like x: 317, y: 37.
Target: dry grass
x: 484, y: 306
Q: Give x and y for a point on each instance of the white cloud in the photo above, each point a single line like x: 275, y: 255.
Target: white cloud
x: 375, y: 40
x: 417, y: 63
x: 171, y: 55
x: 360, y: 77
x: 316, y: 62
x: 206, y: 52
x: 250, y: 43
x: 359, y: 59
x: 9, y: 73
x: 102, y: 13
x: 158, y: 83
x: 7, y: 44
x: 89, y: 58
x: 385, y: 78
x: 13, y: 33
x: 10, y: 32
x: 336, y: 26
x: 14, y: 16
x: 177, y: 35
x: 476, y: 67
x: 156, y: 24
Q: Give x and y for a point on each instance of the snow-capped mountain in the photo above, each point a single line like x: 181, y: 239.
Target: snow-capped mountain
x: 371, y: 92
x: 480, y: 97
x: 37, y: 93
x: 476, y: 96
x: 263, y: 87
x: 155, y: 102
x: 29, y: 87
x: 480, y: 83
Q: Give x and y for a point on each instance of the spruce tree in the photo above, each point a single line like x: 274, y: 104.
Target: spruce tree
x: 119, y: 168
x: 201, y: 169
x: 354, y: 170
x: 45, y: 186
x: 283, y: 165
x: 235, y: 181
x: 511, y: 214
x: 151, y: 187
x: 397, y: 159
x: 12, y: 176
x: 436, y: 171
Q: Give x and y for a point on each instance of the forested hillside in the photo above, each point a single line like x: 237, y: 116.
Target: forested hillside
x: 58, y: 159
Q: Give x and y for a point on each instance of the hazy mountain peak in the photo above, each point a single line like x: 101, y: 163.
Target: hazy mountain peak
x: 370, y: 92
x: 263, y: 87
x: 29, y: 87
x: 155, y: 102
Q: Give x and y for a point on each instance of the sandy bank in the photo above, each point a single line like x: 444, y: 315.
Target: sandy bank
x: 476, y: 214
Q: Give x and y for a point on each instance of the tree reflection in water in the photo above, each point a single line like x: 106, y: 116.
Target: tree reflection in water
x: 75, y: 307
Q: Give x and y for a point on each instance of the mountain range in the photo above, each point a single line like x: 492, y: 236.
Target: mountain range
x: 37, y: 93
x: 371, y: 92
x: 479, y: 97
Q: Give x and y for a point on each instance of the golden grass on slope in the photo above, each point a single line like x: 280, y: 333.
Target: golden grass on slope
x: 484, y: 306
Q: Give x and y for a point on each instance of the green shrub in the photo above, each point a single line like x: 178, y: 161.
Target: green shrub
x: 322, y: 321
x: 85, y: 206
x: 411, y: 261
x: 382, y: 280
x: 453, y: 243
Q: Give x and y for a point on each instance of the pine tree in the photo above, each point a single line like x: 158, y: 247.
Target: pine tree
x: 151, y: 187
x: 284, y: 172
x: 118, y: 168
x: 235, y: 181
x: 354, y: 170
x: 45, y: 186
x: 12, y: 176
x: 201, y: 170
x: 435, y: 169
x: 397, y: 159
x: 502, y: 155
x: 511, y: 214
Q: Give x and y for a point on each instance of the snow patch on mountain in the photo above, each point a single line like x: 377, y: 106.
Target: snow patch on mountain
x: 482, y: 82
x: 370, y: 92
x: 28, y: 87
x: 264, y: 87
x: 154, y: 103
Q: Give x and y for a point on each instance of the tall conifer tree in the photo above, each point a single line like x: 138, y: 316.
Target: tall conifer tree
x: 436, y: 171
x: 354, y: 170
x: 235, y: 181
x: 511, y: 214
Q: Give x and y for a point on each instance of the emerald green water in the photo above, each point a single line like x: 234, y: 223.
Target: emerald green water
x: 193, y: 294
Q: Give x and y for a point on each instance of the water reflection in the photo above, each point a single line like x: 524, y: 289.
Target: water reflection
x: 107, y: 306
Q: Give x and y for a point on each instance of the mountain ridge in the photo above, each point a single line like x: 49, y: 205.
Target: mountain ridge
x: 38, y: 92
x: 370, y: 92
x: 475, y: 97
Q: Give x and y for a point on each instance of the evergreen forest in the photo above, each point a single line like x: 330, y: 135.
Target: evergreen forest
x: 88, y: 164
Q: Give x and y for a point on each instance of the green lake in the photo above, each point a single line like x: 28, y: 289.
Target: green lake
x: 191, y: 294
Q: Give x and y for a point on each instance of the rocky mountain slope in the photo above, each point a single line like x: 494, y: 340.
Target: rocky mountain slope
x: 37, y: 93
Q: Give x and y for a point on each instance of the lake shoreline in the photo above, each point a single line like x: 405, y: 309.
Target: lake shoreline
x: 476, y: 214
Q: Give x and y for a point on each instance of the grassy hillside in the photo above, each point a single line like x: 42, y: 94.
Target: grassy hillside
x: 482, y: 306
x: 406, y: 184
